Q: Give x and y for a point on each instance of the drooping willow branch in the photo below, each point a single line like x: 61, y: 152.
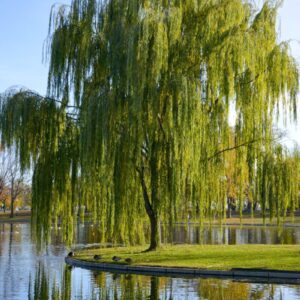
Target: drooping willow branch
x: 244, y: 144
x: 129, y: 66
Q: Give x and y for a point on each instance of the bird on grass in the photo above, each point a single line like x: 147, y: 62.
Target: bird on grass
x: 97, y: 257
x: 71, y: 254
x: 116, y: 258
x: 128, y: 260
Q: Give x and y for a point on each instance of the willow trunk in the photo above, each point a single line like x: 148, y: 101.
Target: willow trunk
x: 153, y: 216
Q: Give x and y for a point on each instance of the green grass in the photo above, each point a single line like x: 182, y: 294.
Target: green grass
x: 248, y: 220
x: 215, y: 257
x: 23, y: 216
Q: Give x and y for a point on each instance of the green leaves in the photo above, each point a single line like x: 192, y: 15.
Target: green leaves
x: 152, y: 82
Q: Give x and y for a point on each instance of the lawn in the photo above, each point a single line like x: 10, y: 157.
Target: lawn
x: 21, y: 216
x: 215, y: 257
x: 248, y: 220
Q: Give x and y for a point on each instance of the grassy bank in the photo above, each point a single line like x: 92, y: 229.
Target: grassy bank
x: 20, y: 216
x: 214, y: 257
x: 247, y: 220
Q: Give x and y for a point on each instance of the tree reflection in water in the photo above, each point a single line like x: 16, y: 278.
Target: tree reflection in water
x: 130, y: 287
x: 50, y: 280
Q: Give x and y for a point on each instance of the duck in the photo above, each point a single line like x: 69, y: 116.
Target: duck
x: 71, y: 254
x: 97, y: 257
x: 116, y: 258
x: 128, y: 260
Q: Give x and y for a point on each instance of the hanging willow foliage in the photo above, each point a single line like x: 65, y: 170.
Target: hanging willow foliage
x: 151, y: 83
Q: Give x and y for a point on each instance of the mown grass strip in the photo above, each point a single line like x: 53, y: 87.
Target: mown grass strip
x: 211, y: 257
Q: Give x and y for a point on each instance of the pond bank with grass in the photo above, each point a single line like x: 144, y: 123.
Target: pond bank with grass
x: 260, y: 261
x: 19, y: 217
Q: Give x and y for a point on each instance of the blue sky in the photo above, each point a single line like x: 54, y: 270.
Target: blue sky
x: 23, y: 29
x: 289, y: 24
x: 24, y: 26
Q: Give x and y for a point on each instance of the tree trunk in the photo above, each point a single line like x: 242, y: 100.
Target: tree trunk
x: 155, y: 233
x: 12, y: 213
x: 12, y: 199
x: 154, y: 289
x: 154, y: 220
x: 228, y: 207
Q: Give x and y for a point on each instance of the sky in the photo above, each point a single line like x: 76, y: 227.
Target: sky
x: 289, y: 24
x: 24, y: 27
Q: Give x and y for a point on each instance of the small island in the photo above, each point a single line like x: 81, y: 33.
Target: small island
x: 260, y: 261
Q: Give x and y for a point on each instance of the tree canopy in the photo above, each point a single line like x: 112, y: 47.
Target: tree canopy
x: 135, y: 121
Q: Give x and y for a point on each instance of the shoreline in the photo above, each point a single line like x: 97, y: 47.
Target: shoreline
x: 27, y: 219
x: 20, y: 217
x: 255, y: 275
x: 239, y: 224
x: 256, y: 260
x: 234, y: 221
x: 9, y: 221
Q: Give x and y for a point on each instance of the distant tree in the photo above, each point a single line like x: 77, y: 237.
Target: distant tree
x: 12, y: 183
x: 25, y: 197
x: 15, y: 180
x: 2, y: 185
x: 3, y: 175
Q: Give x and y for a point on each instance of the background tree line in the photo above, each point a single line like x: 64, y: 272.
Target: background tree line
x: 15, y: 190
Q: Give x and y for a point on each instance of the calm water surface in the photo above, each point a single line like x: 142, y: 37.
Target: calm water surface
x: 26, y: 274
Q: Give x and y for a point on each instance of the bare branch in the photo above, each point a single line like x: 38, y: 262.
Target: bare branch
x: 247, y: 143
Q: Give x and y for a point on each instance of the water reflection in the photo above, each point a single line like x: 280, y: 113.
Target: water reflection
x: 103, y: 285
x: 27, y: 274
x: 231, y: 235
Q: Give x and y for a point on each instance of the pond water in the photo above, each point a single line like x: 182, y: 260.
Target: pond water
x: 25, y: 274
x: 231, y: 235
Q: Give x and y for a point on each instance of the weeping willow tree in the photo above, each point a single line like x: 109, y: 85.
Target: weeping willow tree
x: 278, y: 182
x: 135, y: 122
